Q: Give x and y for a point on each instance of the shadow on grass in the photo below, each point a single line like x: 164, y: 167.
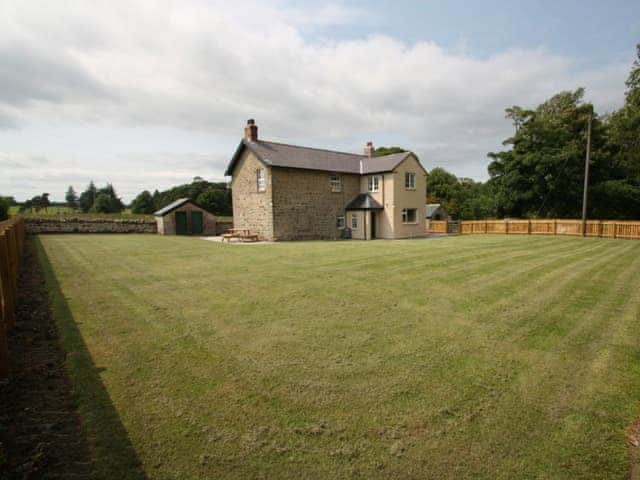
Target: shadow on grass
x: 112, y: 451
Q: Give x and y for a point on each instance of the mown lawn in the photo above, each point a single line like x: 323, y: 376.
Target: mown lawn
x: 468, y: 357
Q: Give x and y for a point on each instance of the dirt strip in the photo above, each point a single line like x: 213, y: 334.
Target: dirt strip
x: 40, y: 431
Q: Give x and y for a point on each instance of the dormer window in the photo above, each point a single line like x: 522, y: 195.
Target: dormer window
x: 260, y: 180
x: 373, y: 183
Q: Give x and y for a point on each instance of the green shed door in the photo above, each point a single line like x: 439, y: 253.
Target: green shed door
x: 197, y: 226
x: 181, y: 223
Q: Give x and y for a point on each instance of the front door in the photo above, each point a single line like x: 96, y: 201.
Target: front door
x: 373, y: 225
x: 196, y: 223
x: 181, y: 223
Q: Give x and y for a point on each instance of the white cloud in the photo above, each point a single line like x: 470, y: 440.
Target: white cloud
x: 205, y: 66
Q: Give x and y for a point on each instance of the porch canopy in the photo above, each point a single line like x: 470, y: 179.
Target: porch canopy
x: 363, y: 201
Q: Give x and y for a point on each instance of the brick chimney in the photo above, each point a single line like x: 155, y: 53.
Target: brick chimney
x: 251, y: 131
x: 368, y: 150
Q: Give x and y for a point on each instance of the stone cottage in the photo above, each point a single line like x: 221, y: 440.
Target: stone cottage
x: 289, y: 192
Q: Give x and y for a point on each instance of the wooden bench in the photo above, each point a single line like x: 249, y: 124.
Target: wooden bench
x: 241, y: 234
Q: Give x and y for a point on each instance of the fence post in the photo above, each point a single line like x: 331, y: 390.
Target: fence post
x: 8, y: 304
x: 13, y: 259
x: 4, y: 350
x: 528, y: 227
x: 506, y: 227
x: 615, y: 229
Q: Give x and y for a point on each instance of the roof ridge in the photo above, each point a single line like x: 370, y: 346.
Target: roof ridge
x: 405, y: 152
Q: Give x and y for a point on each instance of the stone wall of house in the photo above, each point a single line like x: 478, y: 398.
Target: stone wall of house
x: 252, y: 210
x: 304, y: 205
x: 88, y: 225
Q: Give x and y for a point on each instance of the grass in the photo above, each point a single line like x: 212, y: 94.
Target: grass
x: 468, y: 357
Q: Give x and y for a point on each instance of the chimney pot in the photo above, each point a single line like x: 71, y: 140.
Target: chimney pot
x: 368, y: 150
x: 251, y: 131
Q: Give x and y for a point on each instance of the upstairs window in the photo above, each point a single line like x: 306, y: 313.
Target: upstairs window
x: 373, y: 183
x: 260, y: 180
x: 409, y: 215
x: 336, y: 183
x: 410, y: 181
x: 340, y: 222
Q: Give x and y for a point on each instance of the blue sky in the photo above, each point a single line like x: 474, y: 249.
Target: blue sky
x: 593, y: 32
x: 148, y: 94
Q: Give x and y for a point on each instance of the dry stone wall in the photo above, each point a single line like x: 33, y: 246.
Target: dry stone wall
x: 89, y: 225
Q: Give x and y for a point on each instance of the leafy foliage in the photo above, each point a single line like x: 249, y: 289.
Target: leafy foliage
x: 103, y: 200
x: 463, y: 198
x: 88, y: 197
x: 381, y: 151
x: 71, y: 198
x: 143, y: 203
x: 212, y: 196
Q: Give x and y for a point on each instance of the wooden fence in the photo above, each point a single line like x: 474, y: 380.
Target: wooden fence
x: 595, y: 228
x: 11, y: 254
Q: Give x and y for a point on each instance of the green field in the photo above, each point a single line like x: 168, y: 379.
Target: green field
x: 463, y: 357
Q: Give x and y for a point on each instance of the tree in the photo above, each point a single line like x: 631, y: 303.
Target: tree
x: 143, y: 203
x: 88, y: 197
x: 214, y: 200
x: 381, y: 151
x: 109, y: 202
x: 462, y: 197
x: 620, y: 193
x: 71, y: 198
x: 542, y: 173
x: 102, y: 203
x: 219, y: 203
x: 4, y: 208
x: 44, y: 201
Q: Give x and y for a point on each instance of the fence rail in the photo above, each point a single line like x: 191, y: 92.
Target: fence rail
x: 11, y: 255
x: 595, y: 228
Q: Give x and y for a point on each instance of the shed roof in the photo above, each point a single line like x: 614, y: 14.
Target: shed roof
x: 431, y: 209
x: 363, y: 201
x: 173, y: 205
x: 276, y: 154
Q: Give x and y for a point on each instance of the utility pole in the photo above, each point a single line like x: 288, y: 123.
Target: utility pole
x: 586, y: 178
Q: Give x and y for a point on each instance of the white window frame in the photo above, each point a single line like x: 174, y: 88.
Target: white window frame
x: 340, y: 222
x: 354, y: 221
x: 373, y: 183
x: 261, y: 180
x: 410, y: 181
x: 335, y: 182
x: 405, y: 216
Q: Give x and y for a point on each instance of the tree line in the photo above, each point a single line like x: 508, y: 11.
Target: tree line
x: 541, y: 172
x: 214, y: 197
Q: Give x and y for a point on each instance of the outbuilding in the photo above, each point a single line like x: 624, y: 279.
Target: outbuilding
x: 185, y: 217
x: 435, y: 211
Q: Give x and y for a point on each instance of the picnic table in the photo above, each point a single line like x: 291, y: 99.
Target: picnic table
x: 242, y: 234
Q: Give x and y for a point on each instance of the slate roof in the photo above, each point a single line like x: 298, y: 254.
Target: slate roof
x: 431, y: 209
x: 275, y: 154
x: 363, y: 201
x: 173, y: 205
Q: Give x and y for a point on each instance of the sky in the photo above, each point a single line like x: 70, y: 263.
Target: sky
x: 149, y: 94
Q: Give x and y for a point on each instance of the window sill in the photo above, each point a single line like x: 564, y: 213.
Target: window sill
x: 410, y: 223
